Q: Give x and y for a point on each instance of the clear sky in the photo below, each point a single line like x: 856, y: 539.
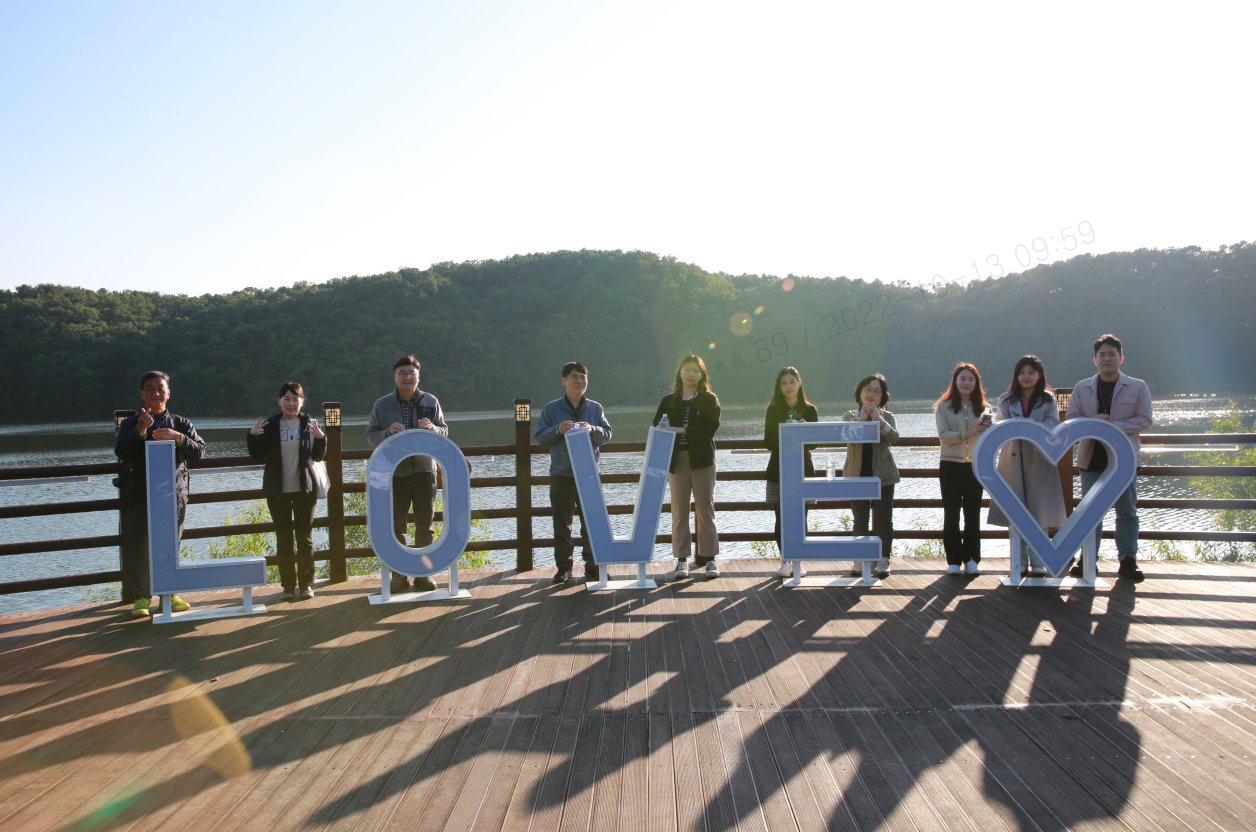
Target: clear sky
x: 204, y: 147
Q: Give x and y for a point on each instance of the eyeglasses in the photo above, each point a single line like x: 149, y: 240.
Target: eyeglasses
x: 408, y: 374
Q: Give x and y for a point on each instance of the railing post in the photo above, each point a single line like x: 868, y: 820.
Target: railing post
x: 124, y: 533
x: 1065, y: 465
x: 338, y: 572
x: 523, y: 484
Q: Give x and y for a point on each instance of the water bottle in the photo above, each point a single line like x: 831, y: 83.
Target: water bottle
x: 664, y: 422
x: 793, y: 417
x: 828, y: 470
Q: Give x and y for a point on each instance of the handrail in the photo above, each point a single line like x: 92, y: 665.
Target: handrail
x: 523, y: 481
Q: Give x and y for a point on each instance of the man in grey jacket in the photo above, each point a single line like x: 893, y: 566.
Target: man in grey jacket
x: 414, y: 481
x: 573, y: 410
x: 1113, y: 396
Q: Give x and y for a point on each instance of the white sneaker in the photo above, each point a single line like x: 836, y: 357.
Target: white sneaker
x: 712, y: 571
x: 682, y: 570
x: 973, y: 568
x: 952, y: 569
x: 787, y: 569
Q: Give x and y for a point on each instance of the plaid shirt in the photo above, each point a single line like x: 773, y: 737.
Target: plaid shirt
x: 407, y: 409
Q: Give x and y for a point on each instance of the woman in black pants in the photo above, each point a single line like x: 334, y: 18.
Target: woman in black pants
x: 288, y: 443
x: 874, y: 460
x: 789, y: 404
x: 961, y: 416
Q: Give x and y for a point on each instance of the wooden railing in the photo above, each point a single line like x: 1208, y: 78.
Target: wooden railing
x: 523, y: 511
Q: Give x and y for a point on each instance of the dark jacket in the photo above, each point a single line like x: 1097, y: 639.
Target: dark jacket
x: 129, y: 449
x: 265, y: 448
x: 772, y: 436
x: 559, y: 411
x: 704, y: 421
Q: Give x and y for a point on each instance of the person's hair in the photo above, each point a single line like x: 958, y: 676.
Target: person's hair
x: 1108, y: 339
x: 574, y: 366
x: 153, y: 374
x: 291, y: 387
x: 406, y: 360
x: 885, y: 389
x: 952, y: 396
x: 704, y: 383
x: 1040, y: 389
x: 778, y: 398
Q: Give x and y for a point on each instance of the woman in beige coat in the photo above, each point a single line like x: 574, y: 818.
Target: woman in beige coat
x: 1027, y: 472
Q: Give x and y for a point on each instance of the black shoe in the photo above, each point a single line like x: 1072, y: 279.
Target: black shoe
x: 423, y: 585
x: 1077, y: 571
x: 882, y: 574
x: 288, y: 596
x: 1129, y: 569
x: 591, y: 575
x: 563, y: 576
x: 399, y: 585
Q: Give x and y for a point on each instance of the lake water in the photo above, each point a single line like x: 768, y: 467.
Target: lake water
x: 65, y: 444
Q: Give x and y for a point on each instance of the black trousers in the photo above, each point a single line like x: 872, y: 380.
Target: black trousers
x: 294, y: 512
x: 137, y: 580
x: 882, y: 518
x: 417, y: 490
x: 961, y: 491
x: 566, y: 503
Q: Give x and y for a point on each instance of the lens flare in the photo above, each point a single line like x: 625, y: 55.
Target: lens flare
x: 194, y: 713
x: 758, y: 310
x: 741, y: 324
x: 787, y: 284
x: 711, y: 345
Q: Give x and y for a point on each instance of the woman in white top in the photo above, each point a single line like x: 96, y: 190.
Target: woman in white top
x: 1027, y: 472
x: 961, y: 417
x: 288, y: 443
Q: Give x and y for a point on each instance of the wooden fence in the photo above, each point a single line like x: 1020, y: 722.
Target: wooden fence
x: 524, y: 543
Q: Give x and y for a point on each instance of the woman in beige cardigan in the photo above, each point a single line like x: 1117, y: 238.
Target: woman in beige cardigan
x: 1027, y: 472
x: 864, y: 460
x: 961, y: 417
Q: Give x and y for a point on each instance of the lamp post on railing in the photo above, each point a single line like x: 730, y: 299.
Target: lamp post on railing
x: 1065, y: 465
x: 124, y: 537
x: 337, y: 570
x: 523, y: 484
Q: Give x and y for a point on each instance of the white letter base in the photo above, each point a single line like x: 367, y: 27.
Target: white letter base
x: 1089, y: 579
x: 867, y: 580
x: 168, y: 616
x: 606, y: 584
x: 386, y: 595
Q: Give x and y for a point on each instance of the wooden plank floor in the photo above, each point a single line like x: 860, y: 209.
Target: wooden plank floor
x: 929, y: 703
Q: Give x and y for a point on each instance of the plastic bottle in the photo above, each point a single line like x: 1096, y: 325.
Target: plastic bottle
x: 664, y: 422
x: 828, y: 471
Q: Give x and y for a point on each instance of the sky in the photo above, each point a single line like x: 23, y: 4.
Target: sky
x: 196, y: 148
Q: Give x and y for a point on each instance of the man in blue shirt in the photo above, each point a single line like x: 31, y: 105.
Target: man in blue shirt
x: 559, y: 416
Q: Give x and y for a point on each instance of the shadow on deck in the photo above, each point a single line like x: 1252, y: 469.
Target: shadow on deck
x: 928, y: 703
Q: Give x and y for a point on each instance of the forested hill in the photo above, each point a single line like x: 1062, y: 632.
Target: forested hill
x: 490, y: 331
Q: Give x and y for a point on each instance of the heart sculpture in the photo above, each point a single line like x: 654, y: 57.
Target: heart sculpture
x: 1054, y: 444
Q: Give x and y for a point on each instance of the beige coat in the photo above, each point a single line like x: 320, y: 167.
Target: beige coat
x: 1131, y: 411
x: 883, y: 467
x: 1035, y: 480
x: 952, y: 427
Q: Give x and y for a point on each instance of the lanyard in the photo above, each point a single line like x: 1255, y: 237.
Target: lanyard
x: 1106, y: 407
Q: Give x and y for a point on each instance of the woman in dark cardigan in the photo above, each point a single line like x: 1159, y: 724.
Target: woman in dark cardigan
x: 288, y: 443
x: 789, y: 404
x: 693, y: 412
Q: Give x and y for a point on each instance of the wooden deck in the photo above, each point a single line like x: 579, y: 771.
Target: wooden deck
x: 926, y: 704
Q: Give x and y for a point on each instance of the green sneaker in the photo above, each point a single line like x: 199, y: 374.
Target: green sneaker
x: 177, y: 604
x: 140, y: 610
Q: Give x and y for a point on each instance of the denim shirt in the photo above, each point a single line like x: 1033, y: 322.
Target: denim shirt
x: 559, y: 411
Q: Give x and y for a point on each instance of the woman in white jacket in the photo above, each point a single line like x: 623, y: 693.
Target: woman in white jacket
x: 1027, y: 472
